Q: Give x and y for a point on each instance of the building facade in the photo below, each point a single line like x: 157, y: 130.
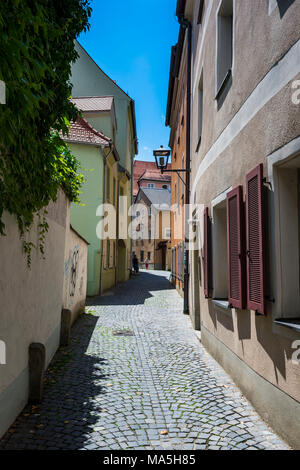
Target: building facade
x: 146, y: 175
x: 152, y: 214
x: 245, y: 150
x: 176, y: 118
x: 111, y: 112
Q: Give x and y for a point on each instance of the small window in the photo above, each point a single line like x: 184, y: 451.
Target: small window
x: 224, y: 45
x: 183, y: 105
x: 142, y: 256
x: 165, y: 186
x: 200, y: 110
x: 200, y: 12
x: 149, y: 255
x: 167, y: 233
x: 150, y: 185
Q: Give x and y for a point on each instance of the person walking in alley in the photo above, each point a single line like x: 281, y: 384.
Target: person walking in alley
x: 135, y: 264
x: 146, y: 263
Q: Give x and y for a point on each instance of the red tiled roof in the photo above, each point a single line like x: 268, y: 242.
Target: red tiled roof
x: 82, y: 132
x: 94, y: 103
x: 141, y: 168
x: 155, y: 175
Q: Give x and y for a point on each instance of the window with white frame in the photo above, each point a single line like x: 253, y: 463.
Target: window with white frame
x: 287, y: 212
x: 167, y: 233
x: 224, y: 44
x: 219, y: 239
x: 150, y: 185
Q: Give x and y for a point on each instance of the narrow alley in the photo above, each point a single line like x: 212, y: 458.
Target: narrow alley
x: 135, y: 376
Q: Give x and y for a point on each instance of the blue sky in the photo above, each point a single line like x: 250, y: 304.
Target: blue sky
x: 131, y: 41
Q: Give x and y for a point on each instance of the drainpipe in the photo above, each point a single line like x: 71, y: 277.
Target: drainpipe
x: 102, y: 241
x: 105, y: 157
x: 117, y: 235
x: 186, y: 24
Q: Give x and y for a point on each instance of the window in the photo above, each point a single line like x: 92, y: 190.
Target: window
x: 183, y: 105
x: 224, y: 45
x: 200, y: 111
x: 149, y: 234
x: 149, y: 255
x: 150, y: 185
x: 142, y: 256
x: 207, y: 253
x: 219, y: 239
x: 287, y: 212
x: 200, y: 12
x: 178, y: 260
x: 255, y: 240
x: 167, y: 233
x: 165, y: 186
x: 283, y: 6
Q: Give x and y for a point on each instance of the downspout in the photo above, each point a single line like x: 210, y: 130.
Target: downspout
x: 117, y: 235
x: 183, y: 22
x: 105, y: 157
x: 103, y: 202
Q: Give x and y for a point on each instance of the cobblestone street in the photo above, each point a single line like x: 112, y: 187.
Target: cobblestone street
x: 135, y: 376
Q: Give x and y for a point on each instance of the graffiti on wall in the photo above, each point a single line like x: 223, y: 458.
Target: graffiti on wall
x: 71, y: 275
x: 74, y: 269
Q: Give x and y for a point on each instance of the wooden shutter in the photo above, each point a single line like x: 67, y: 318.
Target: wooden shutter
x: 206, y: 253
x: 236, y: 248
x: 255, y: 240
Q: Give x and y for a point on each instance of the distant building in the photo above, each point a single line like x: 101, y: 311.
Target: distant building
x: 146, y: 175
x: 155, y: 244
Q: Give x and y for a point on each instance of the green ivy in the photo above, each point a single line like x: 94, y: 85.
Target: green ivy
x: 37, y: 49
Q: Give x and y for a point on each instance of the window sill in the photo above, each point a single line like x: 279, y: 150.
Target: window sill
x: 223, y: 84
x: 292, y: 323
x: 221, y: 303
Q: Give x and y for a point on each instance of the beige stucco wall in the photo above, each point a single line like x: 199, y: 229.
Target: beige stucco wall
x: 75, y: 273
x: 31, y: 303
x: 233, y: 144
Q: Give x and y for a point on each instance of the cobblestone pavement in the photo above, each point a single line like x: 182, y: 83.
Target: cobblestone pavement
x: 135, y: 376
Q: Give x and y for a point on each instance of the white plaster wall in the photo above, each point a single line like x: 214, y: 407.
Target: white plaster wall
x: 30, y: 307
x: 75, y: 274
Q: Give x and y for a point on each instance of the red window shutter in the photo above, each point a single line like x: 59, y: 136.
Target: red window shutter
x: 255, y: 240
x: 236, y: 248
x: 206, y: 253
